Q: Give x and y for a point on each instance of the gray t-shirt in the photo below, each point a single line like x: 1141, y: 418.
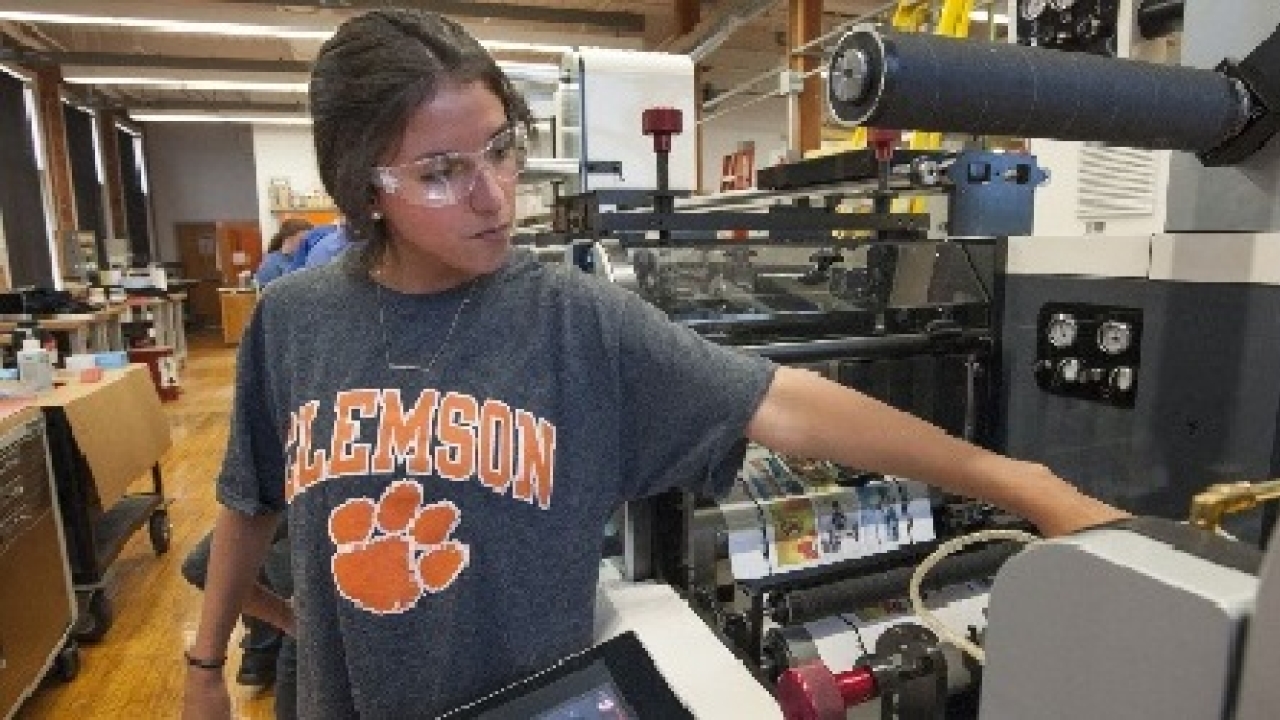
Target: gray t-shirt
x: 446, y: 523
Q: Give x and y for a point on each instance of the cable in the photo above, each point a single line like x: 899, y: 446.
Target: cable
x: 931, y: 621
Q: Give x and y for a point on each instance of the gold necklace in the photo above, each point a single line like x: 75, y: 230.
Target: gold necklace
x: 444, y: 344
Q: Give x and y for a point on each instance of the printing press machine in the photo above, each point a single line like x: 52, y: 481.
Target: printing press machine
x: 804, y: 570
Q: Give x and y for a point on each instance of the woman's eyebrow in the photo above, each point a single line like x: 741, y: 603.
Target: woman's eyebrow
x: 452, y: 153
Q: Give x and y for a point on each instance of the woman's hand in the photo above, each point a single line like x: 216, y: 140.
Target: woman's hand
x: 1054, y: 505
x: 1077, y: 513
x: 205, y: 696
x: 269, y: 607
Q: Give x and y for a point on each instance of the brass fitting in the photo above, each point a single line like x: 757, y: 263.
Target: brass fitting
x: 1218, y: 501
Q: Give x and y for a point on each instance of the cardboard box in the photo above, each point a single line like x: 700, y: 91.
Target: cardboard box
x: 118, y: 425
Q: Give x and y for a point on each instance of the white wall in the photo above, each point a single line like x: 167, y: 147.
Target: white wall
x: 764, y: 122
x: 287, y: 152
x: 198, y: 173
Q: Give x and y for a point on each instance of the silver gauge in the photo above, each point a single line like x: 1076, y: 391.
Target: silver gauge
x: 1062, y: 330
x: 1115, y: 337
x: 1032, y: 9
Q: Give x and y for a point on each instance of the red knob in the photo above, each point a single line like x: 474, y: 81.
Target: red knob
x: 661, y: 123
x: 883, y: 141
x: 812, y: 692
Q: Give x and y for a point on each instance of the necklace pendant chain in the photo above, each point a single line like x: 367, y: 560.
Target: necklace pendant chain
x: 444, y: 344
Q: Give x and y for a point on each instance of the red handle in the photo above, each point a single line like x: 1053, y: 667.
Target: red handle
x: 812, y: 692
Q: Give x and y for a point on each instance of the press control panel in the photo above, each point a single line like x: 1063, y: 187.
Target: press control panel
x: 1092, y: 352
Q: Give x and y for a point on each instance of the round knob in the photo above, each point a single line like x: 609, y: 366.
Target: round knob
x: 1122, y: 379
x: 1069, y: 370
x: 850, y: 76
x: 926, y: 171
x: 661, y: 123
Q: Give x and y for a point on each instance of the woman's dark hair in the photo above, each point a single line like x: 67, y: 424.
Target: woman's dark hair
x: 367, y: 81
x: 288, y: 228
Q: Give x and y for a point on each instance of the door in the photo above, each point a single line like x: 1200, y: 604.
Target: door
x: 239, y: 249
x: 198, y: 253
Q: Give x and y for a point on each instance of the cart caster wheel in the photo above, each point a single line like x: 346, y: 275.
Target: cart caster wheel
x: 161, y: 531
x: 66, y: 664
x: 94, y: 622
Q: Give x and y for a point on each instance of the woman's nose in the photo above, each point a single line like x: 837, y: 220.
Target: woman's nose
x: 488, y: 192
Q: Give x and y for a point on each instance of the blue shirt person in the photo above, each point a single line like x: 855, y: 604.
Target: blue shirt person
x: 282, y: 251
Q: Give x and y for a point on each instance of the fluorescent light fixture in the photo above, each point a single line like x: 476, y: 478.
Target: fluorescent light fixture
x: 164, y: 25
x: 501, y: 45
x: 531, y: 72
x: 184, y: 84
x: 232, y: 29
x: 159, y: 116
x: 982, y: 15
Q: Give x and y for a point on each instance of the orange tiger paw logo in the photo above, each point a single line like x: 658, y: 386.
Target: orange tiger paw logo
x: 393, y: 551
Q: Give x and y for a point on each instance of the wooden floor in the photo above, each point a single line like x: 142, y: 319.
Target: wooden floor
x: 136, y: 670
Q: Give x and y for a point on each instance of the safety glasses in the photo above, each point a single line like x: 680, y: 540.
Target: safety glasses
x: 447, y: 178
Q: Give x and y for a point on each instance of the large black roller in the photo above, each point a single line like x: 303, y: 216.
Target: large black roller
x: 800, y: 606
x: 932, y: 83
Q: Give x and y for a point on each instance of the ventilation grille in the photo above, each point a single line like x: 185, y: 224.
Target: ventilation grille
x: 1116, y: 183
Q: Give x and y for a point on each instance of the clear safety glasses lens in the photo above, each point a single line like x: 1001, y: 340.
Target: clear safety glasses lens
x: 447, y: 178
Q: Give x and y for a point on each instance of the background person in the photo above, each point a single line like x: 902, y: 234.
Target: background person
x: 281, y: 250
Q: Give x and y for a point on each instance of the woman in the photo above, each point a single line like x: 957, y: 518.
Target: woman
x: 280, y: 251
x: 451, y: 423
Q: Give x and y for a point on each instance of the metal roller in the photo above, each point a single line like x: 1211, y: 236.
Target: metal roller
x: 708, y: 551
x: 893, y: 656
x: 932, y: 83
x: 801, y: 606
x: 788, y: 647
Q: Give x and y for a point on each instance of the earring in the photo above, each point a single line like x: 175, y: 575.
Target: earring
x: 376, y: 215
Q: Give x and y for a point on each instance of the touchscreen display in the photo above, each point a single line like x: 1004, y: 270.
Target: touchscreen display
x: 601, y: 703
x: 615, y: 680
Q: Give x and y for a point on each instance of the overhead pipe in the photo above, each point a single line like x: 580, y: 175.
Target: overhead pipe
x: 715, y: 31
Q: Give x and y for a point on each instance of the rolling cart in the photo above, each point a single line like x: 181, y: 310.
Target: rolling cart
x: 102, y: 437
